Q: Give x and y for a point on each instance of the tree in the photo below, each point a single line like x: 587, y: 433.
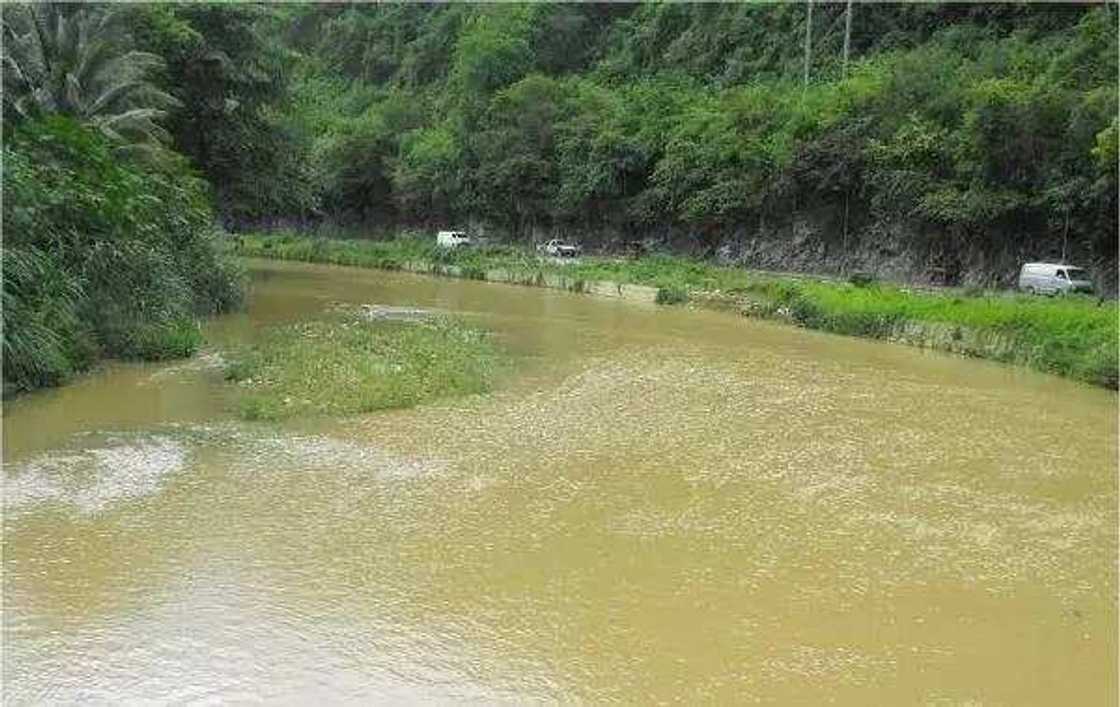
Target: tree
x: 229, y: 75
x: 426, y: 178
x: 517, y: 178
x: 76, y: 62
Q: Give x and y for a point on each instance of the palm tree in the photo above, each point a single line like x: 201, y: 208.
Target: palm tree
x: 76, y: 61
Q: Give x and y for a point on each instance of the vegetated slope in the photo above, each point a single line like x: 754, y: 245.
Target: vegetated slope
x: 101, y: 257
x: 109, y: 243
x: 955, y: 142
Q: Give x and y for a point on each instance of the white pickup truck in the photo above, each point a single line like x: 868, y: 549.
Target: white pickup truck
x: 559, y: 249
x: 452, y: 239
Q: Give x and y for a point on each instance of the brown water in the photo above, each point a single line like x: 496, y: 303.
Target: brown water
x: 659, y: 505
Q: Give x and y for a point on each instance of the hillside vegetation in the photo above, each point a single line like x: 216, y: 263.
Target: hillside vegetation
x: 954, y: 143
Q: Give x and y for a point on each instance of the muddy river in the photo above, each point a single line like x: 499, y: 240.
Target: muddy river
x: 656, y: 505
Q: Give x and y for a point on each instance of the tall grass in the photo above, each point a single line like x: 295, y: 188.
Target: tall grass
x: 44, y: 339
x: 1072, y: 336
x: 102, y: 256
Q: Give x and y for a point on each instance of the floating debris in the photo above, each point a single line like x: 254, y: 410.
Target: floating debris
x: 384, y: 312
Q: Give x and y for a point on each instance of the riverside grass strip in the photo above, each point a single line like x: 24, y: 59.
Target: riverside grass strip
x: 1076, y: 337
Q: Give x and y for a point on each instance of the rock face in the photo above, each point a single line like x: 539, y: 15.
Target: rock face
x: 813, y: 241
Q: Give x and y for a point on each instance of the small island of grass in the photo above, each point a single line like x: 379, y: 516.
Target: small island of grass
x: 351, y: 363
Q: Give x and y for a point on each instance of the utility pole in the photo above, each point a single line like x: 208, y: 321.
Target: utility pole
x: 808, y: 39
x: 847, y: 187
x: 1065, y: 236
x: 847, y: 36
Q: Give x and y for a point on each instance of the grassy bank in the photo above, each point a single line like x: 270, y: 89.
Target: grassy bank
x: 349, y: 363
x: 1073, y: 336
x: 667, y: 272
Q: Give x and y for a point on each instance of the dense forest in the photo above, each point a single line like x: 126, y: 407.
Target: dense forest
x: 941, y: 141
x: 928, y: 142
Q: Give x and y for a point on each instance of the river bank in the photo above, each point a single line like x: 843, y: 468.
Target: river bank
x: 1075, y: 337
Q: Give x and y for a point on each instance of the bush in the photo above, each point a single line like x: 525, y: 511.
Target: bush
x: 671, y: 295
x: 862, y: 279
x: 164, y: 340
x: 102, y: 255
x: 44, y: 340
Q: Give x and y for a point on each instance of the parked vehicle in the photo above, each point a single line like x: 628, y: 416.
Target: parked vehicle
x: 452, y: 239
x: 1053, y: 279
x: 559, y: 249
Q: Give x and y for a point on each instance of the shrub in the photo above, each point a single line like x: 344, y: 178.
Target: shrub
x: 44, y: 339
x: 671, y: 295
x: 102, y: 256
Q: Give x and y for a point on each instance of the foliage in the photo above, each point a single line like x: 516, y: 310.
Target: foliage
x: 685, y: 124
x: 101, y: 255
x: 688, y: 120
x: 693, y: 120
x: 230, y: 82
x: 45, y: 341
x: 76, y: 61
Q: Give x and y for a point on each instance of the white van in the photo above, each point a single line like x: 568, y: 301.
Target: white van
x: 1053, y: 279
x: 452, y: 239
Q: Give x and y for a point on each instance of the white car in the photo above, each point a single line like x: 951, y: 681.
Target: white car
x: 452, y: 239
x: 1053, y: 279
x: 559, y: 249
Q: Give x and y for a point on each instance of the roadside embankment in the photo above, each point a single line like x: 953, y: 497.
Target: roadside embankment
x: 1076, y: 337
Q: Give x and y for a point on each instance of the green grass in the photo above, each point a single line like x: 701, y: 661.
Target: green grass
x: 178, y: 338
x: 346, y: 364
x: 1073, y: 336
x: 670, y: 272
x: 674, y: 274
